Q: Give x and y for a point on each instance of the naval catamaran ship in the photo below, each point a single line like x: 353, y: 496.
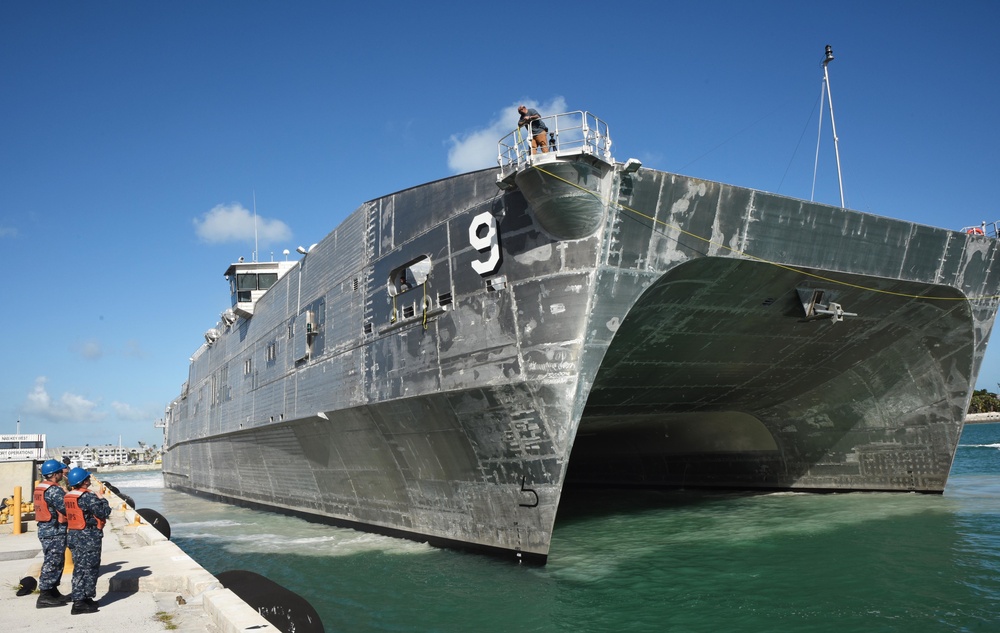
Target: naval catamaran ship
x: 443, y: 362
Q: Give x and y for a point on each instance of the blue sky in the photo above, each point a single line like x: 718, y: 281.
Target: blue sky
x: 135, y: 136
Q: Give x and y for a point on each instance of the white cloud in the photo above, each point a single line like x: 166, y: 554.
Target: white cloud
x: 234, y: 223
x: 8, y: 231
x: 478, y: 149
x: 133, y: 349
x: 68, y: 408
x: 93, y: 349
x: 128, y: 412
x: 90, y: 349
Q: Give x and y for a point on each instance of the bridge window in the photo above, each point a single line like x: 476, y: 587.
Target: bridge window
x: 266, y: 280
x: 243, y: 285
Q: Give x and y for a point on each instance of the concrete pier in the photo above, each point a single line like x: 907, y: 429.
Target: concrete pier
x: 147, y: 583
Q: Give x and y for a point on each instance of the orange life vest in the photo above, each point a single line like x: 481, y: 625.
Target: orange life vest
x: 74, y: 515
x: 42, y: 512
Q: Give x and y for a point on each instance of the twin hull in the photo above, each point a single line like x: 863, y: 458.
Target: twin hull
x: 652, y: 328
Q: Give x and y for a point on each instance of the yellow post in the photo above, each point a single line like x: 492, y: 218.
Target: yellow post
x: 68, y: 562
x: 18, y: 527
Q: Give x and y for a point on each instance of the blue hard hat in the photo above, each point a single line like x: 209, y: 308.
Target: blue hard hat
x: 76, y: 476
x: 51, y: 466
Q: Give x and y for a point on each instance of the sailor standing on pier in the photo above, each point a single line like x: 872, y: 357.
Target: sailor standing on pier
x: 50, y: 516
x: 86, y: 513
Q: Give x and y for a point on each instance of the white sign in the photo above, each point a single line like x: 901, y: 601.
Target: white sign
x: 12, y: 455
x: 21, y: 438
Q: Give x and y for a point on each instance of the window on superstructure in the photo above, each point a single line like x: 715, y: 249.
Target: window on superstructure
x: 266, y: 280
x: 272, y: 351
x: 245, y: 284
x: 247, y: 366
x: 409, y: 276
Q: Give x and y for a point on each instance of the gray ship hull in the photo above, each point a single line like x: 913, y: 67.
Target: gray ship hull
x: 605, y: 327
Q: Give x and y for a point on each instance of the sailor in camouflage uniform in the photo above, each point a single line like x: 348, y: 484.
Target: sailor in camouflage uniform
x: 50, y: 515
x: 86, y: 513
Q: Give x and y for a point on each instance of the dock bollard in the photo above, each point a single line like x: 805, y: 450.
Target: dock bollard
x: 18, y: 526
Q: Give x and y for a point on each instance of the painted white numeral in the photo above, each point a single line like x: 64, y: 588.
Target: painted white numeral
x: 488, y: 241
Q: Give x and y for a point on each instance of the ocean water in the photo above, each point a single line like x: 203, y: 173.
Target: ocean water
x: 646, y: 561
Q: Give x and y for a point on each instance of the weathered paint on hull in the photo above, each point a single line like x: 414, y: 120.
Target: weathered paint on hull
x: 663, y: 344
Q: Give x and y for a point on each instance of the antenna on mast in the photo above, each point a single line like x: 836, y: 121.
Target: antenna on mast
x: 254, y: 191
x: 825, y: 92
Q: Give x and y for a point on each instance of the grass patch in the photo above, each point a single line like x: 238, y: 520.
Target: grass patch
x: 166, y: 619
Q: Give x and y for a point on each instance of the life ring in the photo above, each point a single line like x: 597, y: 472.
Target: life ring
x: 975, y: 231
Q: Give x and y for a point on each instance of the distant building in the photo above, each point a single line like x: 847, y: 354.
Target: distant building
x: 95, y: 456
x: 21, y: 447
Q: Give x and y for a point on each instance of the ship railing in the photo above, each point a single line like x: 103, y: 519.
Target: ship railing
x: 988, y: 229
x: 569, y: 133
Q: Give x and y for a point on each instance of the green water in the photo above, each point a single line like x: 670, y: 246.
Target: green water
x: 646, y: 561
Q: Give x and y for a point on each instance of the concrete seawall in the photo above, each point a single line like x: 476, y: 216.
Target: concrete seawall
x: 147, y: 583
x: 127, y: 468
x: 982, y: 418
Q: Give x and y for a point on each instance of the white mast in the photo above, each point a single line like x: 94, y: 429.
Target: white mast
x: 254, y: 224
x: 836, y: 144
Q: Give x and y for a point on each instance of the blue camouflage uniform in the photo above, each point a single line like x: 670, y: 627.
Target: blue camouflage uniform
x: 86, y: 546
x: 52, y: 535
